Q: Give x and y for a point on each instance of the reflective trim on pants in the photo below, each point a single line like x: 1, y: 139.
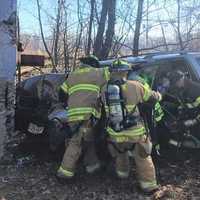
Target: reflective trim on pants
x: 122, y: 174
x: 65, y: 172
x: 126, y: 135
x: 146, y: 185
x: 92, y: 168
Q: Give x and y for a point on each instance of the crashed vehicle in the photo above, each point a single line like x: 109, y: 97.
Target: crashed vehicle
x: 34, y: 99
x: 156, y: 67
x: 37, y: 95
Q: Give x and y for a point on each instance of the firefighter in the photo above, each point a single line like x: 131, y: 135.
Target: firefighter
x: 125, y: 127
x: 83, y: 88
x: 154, y: 120
x: 188, y: 93
x: 158, y: 112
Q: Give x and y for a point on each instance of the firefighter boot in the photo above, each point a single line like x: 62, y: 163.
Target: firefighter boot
x: 91, y: 160
x: 122, y: 165
x: 145, y: 169
x: 71, y: 156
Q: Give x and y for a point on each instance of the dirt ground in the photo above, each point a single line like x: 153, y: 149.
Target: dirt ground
x: 30, y: 175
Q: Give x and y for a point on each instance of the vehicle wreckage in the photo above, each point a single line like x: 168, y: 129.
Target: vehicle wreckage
x: 39, y: 111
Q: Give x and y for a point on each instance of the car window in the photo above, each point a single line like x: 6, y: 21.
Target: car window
x: 198, y: 60
x: 146, y: 71
x: 166, y: 67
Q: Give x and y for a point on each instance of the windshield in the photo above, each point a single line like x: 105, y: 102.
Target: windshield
x: 198, y: 60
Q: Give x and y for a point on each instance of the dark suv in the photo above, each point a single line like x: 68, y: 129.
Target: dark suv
x: 34, y: 99
x: 36, y: 95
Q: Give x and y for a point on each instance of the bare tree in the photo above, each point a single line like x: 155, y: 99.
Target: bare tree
x: 178, y: 24
x: 101, y: 28
x: 102, y: 46
x: 57, y: 32
x: 110, y: 30
x: 79, y: 33
x: 42, y: 34
x: 92, y: 5
x: 137, y: 27
x: 163, y: 34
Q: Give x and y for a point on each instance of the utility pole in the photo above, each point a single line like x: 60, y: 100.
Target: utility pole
x: 7, y: 68
x: 147, y: 25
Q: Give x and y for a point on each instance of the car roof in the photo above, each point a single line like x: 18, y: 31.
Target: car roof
x: 149, y: 57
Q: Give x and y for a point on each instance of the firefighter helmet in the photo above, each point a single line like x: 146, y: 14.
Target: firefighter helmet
x: 120, y: 66
x: 91, y: 60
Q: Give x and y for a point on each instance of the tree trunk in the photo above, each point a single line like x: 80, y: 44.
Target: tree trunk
x: 163, y: 34
x: 57, y: 34
x: 7, y: 67
x: 42, y: 34
x: 178, y: 26
x: 65, y: 43
x: 101, y: 28
x: 79, y: 33
x: 110, y: 30
x: 137, y: 27
x: 92, y: 3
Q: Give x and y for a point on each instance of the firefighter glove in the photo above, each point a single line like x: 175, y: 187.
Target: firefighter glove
x: 190, y: 122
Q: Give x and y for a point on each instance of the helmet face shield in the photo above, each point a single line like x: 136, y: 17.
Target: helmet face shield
x: 120, y: 66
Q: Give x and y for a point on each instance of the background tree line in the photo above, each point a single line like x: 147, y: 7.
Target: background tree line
x: 111, y: 28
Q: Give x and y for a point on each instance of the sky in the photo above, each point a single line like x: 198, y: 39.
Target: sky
x: 27, y: 10
x: 29, y: 23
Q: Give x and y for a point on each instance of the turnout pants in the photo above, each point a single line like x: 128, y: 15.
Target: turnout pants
x: 144, y: 165
x: 81, y: 141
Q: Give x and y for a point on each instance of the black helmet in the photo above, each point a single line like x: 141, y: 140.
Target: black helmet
x: 175, y: 76
x: 120, y: 66
x: 90, y: 60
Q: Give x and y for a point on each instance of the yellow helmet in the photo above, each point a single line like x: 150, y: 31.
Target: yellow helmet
x: 120, y: 65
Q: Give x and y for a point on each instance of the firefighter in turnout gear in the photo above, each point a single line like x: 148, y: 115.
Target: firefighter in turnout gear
x: 188, y: 93
x: 155, y: 118
x: 158, y: 112
x: 83, y: 88
x: 125, y: 127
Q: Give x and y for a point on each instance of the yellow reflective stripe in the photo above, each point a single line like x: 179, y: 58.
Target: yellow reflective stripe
x: 158, y: 112
x: 198, y: 100
x: 194, y: 104
x: 159, y: 118
x: 107, y: 74
x: 66, y: 172
x: 124, y: 87
x: 189, y: 105
x: 122, y: 174
x: 78, y: 87
x: 157, y: 106
x: 130, y: 107
x: 147, y: 93
x: 82, y: 111
x: 83, y: 70
x: 76, y: 118
x: 64, y: 87
x: 107, y: 109
x: 148, y: 184
x: 125, y: 135
x: 157, y: 147
x: 122, y: 139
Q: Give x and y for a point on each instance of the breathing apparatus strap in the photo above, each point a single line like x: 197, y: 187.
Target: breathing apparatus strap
x: 124, y: 149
